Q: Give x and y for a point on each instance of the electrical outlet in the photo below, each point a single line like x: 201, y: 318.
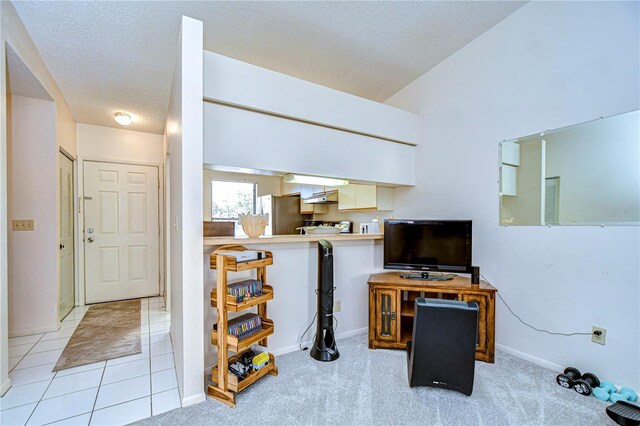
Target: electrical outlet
x: 337, y: 307
x: 598, y: 335
x: 22, y: 225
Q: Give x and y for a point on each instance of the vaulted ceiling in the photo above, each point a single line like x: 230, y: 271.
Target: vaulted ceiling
x: 112, y: 56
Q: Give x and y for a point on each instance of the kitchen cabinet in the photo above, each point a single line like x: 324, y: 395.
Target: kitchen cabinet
x: 313, y: 208
x: 508, y: 181
x: 305, y: 191
x: 365, y: 197
x: 347, y: 197
x: 291, y: 188
x: 510, y: 153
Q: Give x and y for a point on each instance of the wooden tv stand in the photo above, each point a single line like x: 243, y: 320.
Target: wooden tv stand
x: 391, y: 309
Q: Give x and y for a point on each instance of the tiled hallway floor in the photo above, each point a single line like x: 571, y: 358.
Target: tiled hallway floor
x: 113, y: 392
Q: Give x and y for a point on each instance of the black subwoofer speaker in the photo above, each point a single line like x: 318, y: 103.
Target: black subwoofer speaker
x: 443, y: 347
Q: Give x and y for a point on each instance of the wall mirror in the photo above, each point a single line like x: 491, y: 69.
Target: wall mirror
x: 587, y: 174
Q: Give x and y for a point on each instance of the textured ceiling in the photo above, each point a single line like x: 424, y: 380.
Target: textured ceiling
x: 21, y: 81
x: 111, y: 56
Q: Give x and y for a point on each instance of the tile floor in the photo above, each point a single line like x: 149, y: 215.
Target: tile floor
x: 113, y: 392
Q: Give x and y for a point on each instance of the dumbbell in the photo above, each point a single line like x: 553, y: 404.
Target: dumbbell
x: 604, y: 391
x: 567, y: 378
x: 586, y: 384
x: 625, y: 394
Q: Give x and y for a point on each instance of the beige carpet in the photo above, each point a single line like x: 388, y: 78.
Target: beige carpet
x: 107, y: 331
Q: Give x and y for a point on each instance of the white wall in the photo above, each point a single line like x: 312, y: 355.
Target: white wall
x: 32, y: 154
x: 13, y: 32
x: 5, y: 381
x: 233, y: 82
x: 550, y: 64
x: 98, y: 143
x: 254, y: 116
x: 111, y: 144
x: 184, y: 143
x: 236, y: 137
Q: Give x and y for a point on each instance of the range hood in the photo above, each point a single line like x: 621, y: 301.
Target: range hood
x: 329, y: 197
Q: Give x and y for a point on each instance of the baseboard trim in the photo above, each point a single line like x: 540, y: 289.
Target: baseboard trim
x: 5, y: 386
x: 193, y: 399
x: 293, y: 348
x: 532, y: 359
x: 356, y: 332
x: 30, y: 331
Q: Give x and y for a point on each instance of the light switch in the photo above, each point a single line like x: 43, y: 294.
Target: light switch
x: 23, y: 225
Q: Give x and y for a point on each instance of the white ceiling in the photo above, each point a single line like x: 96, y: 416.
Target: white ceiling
x: 112, y: 56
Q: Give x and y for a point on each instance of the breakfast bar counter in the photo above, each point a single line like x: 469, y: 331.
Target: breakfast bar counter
x: 279, y: 239
x: 293, y: 277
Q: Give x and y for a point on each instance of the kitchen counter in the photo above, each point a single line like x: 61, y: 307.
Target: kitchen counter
x: 272, y: 239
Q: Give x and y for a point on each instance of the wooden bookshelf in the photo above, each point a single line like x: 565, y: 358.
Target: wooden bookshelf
x: 237, y: 385
x: 239, y: 345
x: 232, y: 265
x: 225, y: 384
x: 234, y: 306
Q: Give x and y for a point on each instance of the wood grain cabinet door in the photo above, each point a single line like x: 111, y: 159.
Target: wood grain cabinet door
x: 387, y: 315
x: 482, y: 318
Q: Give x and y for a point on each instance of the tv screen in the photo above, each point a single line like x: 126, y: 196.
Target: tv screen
x: 427, y: 245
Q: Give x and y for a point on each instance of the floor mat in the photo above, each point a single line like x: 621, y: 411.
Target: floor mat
x: 107, y: 331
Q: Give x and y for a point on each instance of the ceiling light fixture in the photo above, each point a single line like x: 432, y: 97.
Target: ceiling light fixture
x: 314, y: 180
x: 123, y: 118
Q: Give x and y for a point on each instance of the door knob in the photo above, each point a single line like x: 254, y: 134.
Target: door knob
x: 90, y: 239
x: 61, y: 246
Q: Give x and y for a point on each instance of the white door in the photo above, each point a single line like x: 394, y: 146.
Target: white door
x: 121, y: 231
x: 66, y: 289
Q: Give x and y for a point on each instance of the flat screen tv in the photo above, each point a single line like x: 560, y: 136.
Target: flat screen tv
x: 427, y: 245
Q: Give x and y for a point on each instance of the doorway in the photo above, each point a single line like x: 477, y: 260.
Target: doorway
x: 66, y: 288
x: 121, y: 231
x: 551, y: 200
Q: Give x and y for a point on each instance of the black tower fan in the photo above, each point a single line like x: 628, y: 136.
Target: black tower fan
x: 324, y: 343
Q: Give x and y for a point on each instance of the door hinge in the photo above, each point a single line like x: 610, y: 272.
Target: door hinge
x: 158, y: 184
x: 158, y: 277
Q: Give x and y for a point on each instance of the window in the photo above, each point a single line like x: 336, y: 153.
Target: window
x: 230, y: 199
